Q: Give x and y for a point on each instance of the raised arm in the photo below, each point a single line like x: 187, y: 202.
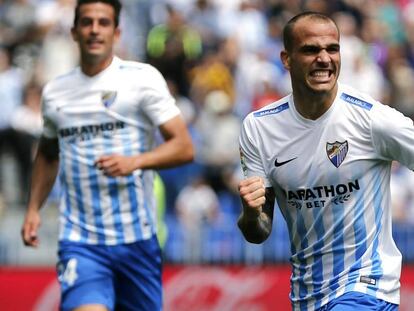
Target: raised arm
x: 177, y: 149
x: 255, y: 221
x: 45, y: 169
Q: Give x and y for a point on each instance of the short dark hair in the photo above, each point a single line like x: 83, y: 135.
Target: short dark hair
x: 116, y: 4
x: 288, y: 29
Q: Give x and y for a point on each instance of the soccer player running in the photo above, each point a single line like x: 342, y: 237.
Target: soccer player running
x: 99, y: 126
x: 324, y: 153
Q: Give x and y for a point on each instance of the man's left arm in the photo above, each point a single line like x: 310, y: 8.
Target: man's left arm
x: 177, y: 149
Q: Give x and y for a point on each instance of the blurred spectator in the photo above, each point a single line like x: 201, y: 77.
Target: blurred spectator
x: 409, y: 26
x: 27, y: 118
x: 211, y: 74
x: 250, y: 28
x: 372, y: 34
x: 204, y: 17
x: 17, y: 22
x: 273, y: 44
x: 321, y: 6
x: 18, y: 32
x: 358, y: 69
x: 135, y: 24
x: 265, y: 92
x: 401, y: 78
x: 197, y: 205
x: 402, y: 194
x: 175, y: 179
x: 11, y: 141
x: 58, y: 53
x: 27, y: 122
x: 173, y: 47
x: 387, y: 12
x: 219, y: 130
x: 254, y: 75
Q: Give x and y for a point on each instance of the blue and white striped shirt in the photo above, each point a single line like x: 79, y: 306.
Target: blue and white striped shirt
x: 113, y: 112
x: 331, y: 178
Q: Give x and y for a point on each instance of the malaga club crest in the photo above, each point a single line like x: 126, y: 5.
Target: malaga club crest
x: 108, y: 98
x: 337, y: 152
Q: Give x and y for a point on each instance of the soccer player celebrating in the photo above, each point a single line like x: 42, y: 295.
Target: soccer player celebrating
x: 324, y: 153
x: 99, y: 126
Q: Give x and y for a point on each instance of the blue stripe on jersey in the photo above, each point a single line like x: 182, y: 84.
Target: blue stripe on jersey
x: 289, y: 222
x: 114, y: 195
x: 66, y: 212
x: 143, y: 142
x: 376, y: 271
x: 301, y: 229
x: 76, y: 177
x: 116, y: 209
x: 360, y: 236
x: 280, y: 108
x: 133, y: 198
x: 132, y: 192
x: 147, y: 197
x: 96, y: 202
x: 338, y: 250
x: 317, y: 266
x: 356, y: 101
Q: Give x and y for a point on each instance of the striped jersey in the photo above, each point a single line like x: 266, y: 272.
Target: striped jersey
x: 113, y: 112
x: 331, y: 178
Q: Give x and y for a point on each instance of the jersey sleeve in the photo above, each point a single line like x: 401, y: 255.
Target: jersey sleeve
x: 251, y: 161
x: 393, y: 135
x: 49, y: 127
x: 158, y: 104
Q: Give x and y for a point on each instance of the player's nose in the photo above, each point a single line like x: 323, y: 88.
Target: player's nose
x: 323, y: 56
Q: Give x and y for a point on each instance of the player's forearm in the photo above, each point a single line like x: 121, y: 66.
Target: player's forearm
x: 43, y: 178
x: 173, y: 152
x: 255, y: 228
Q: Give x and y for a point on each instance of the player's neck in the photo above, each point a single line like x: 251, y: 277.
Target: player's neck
x: 92, y: 67
x: 313, y: 105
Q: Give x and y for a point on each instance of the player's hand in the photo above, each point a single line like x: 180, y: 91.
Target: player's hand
x: 252, y: 193
x: 30, y: 228
x: 116, y: 165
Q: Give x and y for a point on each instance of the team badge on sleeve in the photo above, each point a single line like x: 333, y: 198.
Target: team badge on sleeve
x: 337, y: 152
x: 108, y: 98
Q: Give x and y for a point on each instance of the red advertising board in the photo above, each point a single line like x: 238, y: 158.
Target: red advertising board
x: 201, y: 288
x: 218, y: 288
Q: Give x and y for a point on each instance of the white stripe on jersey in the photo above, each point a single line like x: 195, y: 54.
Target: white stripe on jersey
x: 333, y: 191
x: 114, y: 112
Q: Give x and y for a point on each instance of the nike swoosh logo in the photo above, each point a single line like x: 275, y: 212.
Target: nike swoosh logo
x: 277, y: 164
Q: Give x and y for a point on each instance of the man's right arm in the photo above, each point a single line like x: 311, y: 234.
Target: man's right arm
x: 255, y: 221
x: 45, y: 169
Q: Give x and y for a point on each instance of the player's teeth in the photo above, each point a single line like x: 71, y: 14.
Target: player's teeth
x: 320, y: 73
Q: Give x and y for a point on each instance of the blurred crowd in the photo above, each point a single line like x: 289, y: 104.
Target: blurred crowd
x: 221, y: 61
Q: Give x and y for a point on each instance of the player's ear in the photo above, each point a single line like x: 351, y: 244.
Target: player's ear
x: 117, y: 34
x: 284, y: 56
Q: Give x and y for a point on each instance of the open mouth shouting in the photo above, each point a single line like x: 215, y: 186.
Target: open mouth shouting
x: 321, y: 75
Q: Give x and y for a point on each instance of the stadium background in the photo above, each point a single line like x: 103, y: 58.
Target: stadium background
x: 221, y: 60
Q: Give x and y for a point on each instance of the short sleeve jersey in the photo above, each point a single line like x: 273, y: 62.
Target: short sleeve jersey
x: 331, y: 178
x: 113, y: 112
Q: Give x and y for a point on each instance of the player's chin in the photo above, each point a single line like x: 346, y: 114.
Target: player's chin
x: 322, y: 87
x: 95, y: 51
